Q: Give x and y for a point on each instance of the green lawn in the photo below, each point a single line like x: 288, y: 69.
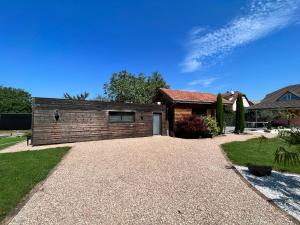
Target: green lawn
x: 9, y: 141
x: 21, y: 171
x: 260, y: 153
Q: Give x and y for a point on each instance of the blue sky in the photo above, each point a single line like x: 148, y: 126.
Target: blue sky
x: 52, y: 47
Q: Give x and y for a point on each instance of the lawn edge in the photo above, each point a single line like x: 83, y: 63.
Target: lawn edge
x: 270, y: 201
x: 35, y: 189
x: 12, y: 145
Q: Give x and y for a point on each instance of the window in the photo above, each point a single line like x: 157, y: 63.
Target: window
x: 288, y: 97
x: 199, y: 112
x: 121, y: 117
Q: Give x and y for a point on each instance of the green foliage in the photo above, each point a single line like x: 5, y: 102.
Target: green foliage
x: 240, y: 115
x: 21, y: 171
x: 212, y: 125
x: 9, y: 141
x: 81, y: 96
x: 285, y: 157
x: 229, y: 118
x: 14, y: 100
x: 289, y: 116
x: 220, y: 113
x: 292, y: 136
x: 127, y: 87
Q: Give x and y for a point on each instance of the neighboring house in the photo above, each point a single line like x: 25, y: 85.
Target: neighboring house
x: 285, y: 99
x: 62, y: 120
x: 184, y: 103
x: 232, y: 97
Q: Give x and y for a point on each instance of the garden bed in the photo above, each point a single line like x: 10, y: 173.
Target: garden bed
x: 282, y: 188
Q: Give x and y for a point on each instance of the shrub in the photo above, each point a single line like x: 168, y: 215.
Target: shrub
x: 229, y: 118
x: 284, y: 156
x: 220, y: 113
x: 240, y: 115
x: 290, y: 136
x: 190, y: 127
x: 212, y: 126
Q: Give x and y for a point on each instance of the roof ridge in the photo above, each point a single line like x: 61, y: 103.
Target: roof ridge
x: 188, y: 91
x: 281, y: 89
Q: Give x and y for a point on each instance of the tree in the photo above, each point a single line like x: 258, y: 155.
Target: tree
x: 14, y: 100
x: 220, y: 113
x: 81, y: 96
x: 240, y: 115
x: 127, y: 87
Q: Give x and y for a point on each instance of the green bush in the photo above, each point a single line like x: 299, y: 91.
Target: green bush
x: 212, y: 125
x: 290, y: 136
x: 240, y: 115
x: 220, y: 113
x: 229, y: 118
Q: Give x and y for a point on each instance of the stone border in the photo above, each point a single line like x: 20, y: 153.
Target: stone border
x: 231, y: 166
x: 35, y: 189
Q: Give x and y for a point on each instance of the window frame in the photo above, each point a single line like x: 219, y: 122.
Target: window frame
x: 288, y: 96
x: 133, y: 113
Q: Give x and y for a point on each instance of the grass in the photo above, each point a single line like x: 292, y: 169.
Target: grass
x: 9, y: 141
x: 259, y: 153
x: 15, y: 131
x: 21, y: 171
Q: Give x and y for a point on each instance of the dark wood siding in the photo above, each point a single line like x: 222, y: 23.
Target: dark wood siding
x: 88, y: 120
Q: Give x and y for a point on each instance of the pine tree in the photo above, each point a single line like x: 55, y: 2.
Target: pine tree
x: 240, y: 115
x: 220, y: 113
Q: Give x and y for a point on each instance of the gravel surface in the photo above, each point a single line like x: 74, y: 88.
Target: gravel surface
x: 282, y: 188
x: 152, y: 180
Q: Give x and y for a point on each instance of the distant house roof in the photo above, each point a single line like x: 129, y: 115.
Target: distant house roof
x: 232, y: 96
x: 273, y: 101
x: 191, y: 97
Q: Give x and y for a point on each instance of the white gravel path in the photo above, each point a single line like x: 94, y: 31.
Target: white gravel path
x: 152, y: 180
x: 282, y: 188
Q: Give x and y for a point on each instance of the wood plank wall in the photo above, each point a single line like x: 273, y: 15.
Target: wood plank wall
x: 88, y: 121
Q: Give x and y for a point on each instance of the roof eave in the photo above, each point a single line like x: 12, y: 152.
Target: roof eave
x: 198, y: 103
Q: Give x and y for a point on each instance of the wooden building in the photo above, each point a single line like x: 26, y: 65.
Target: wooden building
x: 185, y: 103
x: 61, y: 120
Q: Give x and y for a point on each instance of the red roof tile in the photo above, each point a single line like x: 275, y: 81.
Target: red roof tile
x: 188, y: 96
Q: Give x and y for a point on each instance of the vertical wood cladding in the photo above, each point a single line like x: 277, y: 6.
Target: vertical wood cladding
x: 89, y: 120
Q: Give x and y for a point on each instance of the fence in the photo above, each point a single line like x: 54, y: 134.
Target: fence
x: 15, y: 121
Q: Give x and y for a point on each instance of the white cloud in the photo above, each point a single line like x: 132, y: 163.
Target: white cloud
x: 203, y: 82
x: 260, y: 18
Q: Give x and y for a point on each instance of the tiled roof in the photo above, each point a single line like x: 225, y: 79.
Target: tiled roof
x: 188, y: 96
x: 270, y: 100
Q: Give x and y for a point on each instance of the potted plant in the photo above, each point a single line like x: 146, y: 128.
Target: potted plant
x: 260, y: 170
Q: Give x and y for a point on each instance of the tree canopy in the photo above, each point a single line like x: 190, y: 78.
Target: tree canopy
x: 81, y: 96
x: 127, y: 87
x: 14, y: 100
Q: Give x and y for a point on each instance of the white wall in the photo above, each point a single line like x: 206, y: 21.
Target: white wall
x: 245, y: 102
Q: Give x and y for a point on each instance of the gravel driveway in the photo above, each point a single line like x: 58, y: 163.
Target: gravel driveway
x: 153, y: 180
